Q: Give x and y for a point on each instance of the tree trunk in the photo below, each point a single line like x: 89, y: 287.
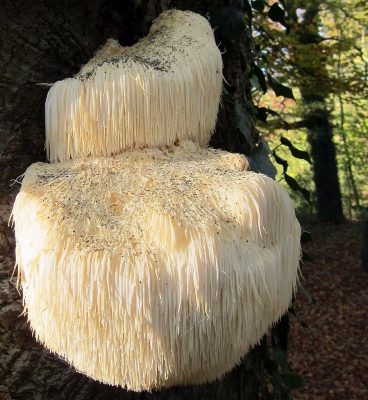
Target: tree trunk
x: 328, y: 194
x: 43, y: 41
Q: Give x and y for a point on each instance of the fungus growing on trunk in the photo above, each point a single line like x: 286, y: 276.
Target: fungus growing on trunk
x: 157, y: 266
x: 165, y: 87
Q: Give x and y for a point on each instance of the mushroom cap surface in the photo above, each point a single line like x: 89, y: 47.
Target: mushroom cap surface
x: 165, y: 87
x: 155, y: 267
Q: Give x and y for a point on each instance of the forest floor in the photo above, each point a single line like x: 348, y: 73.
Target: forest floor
x: 329, y: 336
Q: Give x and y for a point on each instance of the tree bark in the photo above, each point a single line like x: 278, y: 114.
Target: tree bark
x: 43, y: 41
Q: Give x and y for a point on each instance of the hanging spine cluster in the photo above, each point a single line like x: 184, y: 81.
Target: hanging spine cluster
x: 166, y: 87
x: 141, y: 287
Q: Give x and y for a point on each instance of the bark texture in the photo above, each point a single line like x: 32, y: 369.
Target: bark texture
x: 43, y: 41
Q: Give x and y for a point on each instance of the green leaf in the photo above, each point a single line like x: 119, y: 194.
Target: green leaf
x: 277, y: 14
x: 258, y: 5
x: 259, y: 160
x: 304, y: 155
x: 248, y: 9
x: 228, y: 22
x: 273, y: 112
x: 254, y: 81
x: 280, y: 161
x: 294, y: 185
x: 261, y: 113
x: 289, y: 179
x: 260, y: 76
x: 279, y: 88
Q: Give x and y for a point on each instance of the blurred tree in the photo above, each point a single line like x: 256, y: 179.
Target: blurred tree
x: 314, y: 91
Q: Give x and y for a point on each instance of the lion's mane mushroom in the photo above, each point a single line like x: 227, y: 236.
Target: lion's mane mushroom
x: 162, y: 268
x: 156, y: 266
x: 165, y: 87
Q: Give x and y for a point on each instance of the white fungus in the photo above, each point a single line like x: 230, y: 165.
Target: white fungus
x: 164, y: 263
x: 154, y: 267
x: 165, y: 87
